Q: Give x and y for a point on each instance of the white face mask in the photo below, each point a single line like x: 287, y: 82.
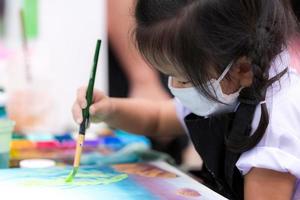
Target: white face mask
x: 199, y: 104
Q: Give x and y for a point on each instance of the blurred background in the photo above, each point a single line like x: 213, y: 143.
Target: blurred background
x: 46, y: 51
x: 60, y: 36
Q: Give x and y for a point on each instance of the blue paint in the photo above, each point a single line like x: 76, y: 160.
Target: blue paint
x: 110, y: 142
x: 129, y: 138
x: 64, y: 137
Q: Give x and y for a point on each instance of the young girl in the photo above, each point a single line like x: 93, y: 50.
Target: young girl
x: 235, y: 94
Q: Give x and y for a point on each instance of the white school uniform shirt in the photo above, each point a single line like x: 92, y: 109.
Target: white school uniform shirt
x: 279, y: 149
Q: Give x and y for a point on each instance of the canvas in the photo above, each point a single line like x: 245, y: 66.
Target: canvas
x: 145, y: 181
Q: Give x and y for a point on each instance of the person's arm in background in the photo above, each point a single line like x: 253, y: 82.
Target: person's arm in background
x: 144, y: 82
x: 264, y: 184
x: 294, y: 48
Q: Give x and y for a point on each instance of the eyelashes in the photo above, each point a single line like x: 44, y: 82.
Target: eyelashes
x: 184, y: 82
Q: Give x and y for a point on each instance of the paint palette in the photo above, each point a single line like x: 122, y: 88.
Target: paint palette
x: 147, y: 181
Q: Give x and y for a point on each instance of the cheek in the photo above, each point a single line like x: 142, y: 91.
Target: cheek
x: 176, y: 84
x: 247, y: 80
x: 230, y: 86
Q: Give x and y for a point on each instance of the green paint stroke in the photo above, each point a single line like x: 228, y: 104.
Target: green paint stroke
x: 82, y: 179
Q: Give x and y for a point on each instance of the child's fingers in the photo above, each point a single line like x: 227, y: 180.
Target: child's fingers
x: 77, y: 113
x: 100, y: 108
x: 81, y: 93
x: 98, y: 95
x: 99, y: 99
x: 81, y: 96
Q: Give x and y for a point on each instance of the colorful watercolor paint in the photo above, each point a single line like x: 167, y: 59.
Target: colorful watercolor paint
x: 147, y: 181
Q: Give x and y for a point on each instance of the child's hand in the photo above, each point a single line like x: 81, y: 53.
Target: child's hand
x: 100, y: 109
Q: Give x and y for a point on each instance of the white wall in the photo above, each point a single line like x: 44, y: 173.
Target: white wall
x: 62, y: 55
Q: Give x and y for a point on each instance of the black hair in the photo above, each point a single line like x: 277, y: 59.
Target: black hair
x: 296, y: 8
x: 196, y: 36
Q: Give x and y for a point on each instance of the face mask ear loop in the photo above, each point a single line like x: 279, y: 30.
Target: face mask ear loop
x: 170, y: 81
x: 225, y: 72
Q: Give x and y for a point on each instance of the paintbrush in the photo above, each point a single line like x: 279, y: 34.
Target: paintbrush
x: 86, y: 116
x: 25, y: 46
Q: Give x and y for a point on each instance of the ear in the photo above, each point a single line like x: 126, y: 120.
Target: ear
x: 242, y: 71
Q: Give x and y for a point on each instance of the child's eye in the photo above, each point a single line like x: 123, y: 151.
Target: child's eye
x: 184, y: 82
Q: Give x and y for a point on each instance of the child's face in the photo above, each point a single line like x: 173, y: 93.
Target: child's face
x: 235, y: 79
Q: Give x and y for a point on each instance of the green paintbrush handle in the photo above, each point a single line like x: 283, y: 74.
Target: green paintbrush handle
x: 90, y: 89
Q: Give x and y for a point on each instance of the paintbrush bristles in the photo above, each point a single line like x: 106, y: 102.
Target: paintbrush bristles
x: 71, y: 175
